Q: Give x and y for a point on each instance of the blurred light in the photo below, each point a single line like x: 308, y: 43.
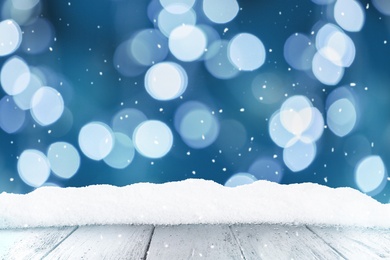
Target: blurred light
x: 167, y: 21
x: 334, y: 45
x: 187, y: 42
x: 177, y: 7
x: 239, y: 179
x: 296, y: 114
x: 63, y: 125
x: 316, y: 128
x: 211, y: 35
x: 15, y: 75
x: 299, y: 156
x: 24, y: 4
x: 267, y: 88
x: 246, y: 52
x: 122, y: 154
x: 154, y: 8
x: 96, y: 140
x: 47, y: 106
x: 149, y: 47
x: 349, y: 14
x: 153, y: 139
x: 127, y: 120
x: 326, y: 71
x: 382, y: 6
x: 322, y: 2
x: 220, y: 11
x: 371, y: 175
x: 37, y: 37
x: 20, y: 16
x: 299, y: 51
x: 266, y: 169
x: 196, y: 125
x: 33, y: 168
x: 23, y: 99
x: 341, y: 117
x: 10, y: 37
x: 12, y: 118
x: 356, y: 148
x: 125, y: 63
x: 279, y: 135
x: 166, y: 81
x: 217, y: 61
x: 297, y: 120
x: 64, y: 159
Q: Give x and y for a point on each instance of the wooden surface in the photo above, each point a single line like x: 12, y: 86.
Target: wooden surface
x: 195, y: 241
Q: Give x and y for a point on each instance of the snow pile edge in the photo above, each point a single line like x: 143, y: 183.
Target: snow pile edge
x: 193, y: 201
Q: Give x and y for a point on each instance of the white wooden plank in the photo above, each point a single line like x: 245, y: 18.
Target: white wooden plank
x: 363, y: 243
x: 105, y: 242
x: 31, y: 243
x: 281, y: 242
x: 193, y: 241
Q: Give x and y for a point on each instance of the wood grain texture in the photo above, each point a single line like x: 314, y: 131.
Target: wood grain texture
x: 105, y: 242
x: 356, y: 243
x: 31, y: 243
x: 193, y: 242
x: 281, y: 242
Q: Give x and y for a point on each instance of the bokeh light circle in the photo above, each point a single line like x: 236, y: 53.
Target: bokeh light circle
x: 196, y: 125
x: 166, y: 81
x: 47, y: 106
x: 12, y: 118
x: 149, y: 47
x: 177, y: 7
x: 220, y: 11
x: 239, y: 179
x: 326, y: 71
x: 167, y: 21
x: 349, y: 14
x: 10, y: 37
x: 278, y: 133
x: 246, y: 52
x: 153, y: 139
x: 96, y: 140
x: 64, y: 159
x: 371, y: 175
x: 187, y: 42
x: 15, y: 75
x: 217, y: 61
x: 23, y: 99
x: 38, y: 36
x: 341, y: 117
x: 336, y: 46
x: 299, y: 156
x: 24, y: 4
x: 382, y: 6
x: 127, y: 120
x: 299, y: 51
x: 122, y: 153
x: 33, y: 168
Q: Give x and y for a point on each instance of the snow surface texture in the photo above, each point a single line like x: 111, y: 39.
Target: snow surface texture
x: 193, y: 201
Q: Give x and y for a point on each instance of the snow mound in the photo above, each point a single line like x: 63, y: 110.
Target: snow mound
x: 192, y: 201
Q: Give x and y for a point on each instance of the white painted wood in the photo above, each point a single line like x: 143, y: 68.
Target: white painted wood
x: 281, y: 242
x: 356, y: 243
x: 31, y: 243
x: 193, y: 241
x: 105, y: 242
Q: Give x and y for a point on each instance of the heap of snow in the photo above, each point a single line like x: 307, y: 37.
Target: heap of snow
x: 192, y: 201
